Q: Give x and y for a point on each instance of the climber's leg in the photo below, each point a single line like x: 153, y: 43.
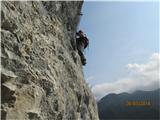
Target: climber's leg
x: 83, y: 59
x: 80, y: 52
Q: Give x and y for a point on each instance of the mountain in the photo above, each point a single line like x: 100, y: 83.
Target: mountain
x: 41, y: 72
x: 137, y: 105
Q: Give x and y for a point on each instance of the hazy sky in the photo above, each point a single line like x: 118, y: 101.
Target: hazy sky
x: 120, y: 33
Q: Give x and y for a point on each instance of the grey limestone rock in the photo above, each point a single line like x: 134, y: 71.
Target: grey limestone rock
x: 41, y: 71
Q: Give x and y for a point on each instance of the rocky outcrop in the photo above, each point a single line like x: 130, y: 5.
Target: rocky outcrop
x: 41, y: 71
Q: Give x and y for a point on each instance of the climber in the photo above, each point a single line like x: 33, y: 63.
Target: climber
x: 82, y: 42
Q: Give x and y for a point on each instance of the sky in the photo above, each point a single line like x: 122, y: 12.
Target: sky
x: 124, y: 44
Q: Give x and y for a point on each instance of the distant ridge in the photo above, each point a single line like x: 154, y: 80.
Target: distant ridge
x: 137, y: 105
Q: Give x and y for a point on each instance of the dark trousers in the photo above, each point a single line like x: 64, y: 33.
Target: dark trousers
x: 80, y: 52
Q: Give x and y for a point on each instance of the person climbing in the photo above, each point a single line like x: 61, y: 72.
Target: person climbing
x: 82, y: 43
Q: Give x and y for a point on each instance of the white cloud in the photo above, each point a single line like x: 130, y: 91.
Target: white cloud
x: 142, y: 77
x: 89, y: 78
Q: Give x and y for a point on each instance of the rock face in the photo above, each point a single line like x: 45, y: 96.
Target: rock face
x: 41, y: 75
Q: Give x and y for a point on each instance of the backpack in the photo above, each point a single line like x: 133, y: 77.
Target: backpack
x: 86, y: 42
